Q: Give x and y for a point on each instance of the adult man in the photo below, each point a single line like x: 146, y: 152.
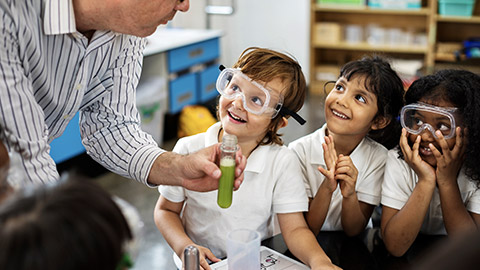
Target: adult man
x: 63, y: 56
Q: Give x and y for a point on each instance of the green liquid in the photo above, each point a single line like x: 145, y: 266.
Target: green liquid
x: 225, y: 185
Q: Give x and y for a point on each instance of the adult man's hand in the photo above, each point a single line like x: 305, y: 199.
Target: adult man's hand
x: 196, y: 171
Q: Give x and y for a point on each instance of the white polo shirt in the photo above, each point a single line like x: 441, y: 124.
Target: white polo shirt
x: 272, y: 184
x: 369, y: 159
x: 398, y: 185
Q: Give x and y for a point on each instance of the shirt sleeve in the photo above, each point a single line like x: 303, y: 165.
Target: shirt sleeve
x: 110, y: 127
x: 289, y: 194
x: 370, y: 189
x: 473, y: 204
x: 398, y: 181
x: 21, y: 118
x: 300, y: 152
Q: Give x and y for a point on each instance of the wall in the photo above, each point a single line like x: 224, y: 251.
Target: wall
x: 277, y: 24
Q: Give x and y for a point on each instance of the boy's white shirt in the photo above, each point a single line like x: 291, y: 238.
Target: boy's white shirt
x: 398, y: 185
x: 272, y: 184
x: 369, y: 159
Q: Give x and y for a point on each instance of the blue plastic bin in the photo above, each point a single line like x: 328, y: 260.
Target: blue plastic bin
x: 456, y: 7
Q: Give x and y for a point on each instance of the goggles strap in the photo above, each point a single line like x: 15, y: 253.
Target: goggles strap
x: 285, y: 111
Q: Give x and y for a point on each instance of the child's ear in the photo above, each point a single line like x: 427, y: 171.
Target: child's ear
x: 284, y: 122
x: 380, y: 122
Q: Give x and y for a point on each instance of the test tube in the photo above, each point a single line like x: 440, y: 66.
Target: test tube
x: 191, y: 258
x: 227, y: 166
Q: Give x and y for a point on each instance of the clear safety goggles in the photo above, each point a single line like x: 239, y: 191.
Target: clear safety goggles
x: 257, y: 99
x: 417, y: 117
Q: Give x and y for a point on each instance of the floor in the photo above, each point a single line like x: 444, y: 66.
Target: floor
x: 152, y: 250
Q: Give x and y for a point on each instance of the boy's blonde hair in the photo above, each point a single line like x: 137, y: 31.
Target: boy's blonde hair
x: 262, y: 64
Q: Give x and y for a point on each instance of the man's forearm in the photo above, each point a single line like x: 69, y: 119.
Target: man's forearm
x: 166, y: 170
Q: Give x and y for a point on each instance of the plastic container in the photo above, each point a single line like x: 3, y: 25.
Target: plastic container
x: 243, y: 249
x: 343, y: 2
x: 395, y: 4
x: 151, y: 101
x: 456, y: 7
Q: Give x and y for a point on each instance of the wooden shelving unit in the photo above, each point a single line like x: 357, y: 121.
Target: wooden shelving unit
x: 438, y: 30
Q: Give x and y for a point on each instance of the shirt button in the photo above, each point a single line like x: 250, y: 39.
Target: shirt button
x: 78, y: 86
x: 66, y: 116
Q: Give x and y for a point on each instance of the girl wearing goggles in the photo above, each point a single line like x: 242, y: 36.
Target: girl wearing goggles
x: 431, y: 180
x: 359, y: 114
x: 254, y: 95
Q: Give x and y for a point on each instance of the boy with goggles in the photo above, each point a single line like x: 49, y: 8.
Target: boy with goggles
x: 417, y: 117
x: 253, y: 95
x: 257, y: 99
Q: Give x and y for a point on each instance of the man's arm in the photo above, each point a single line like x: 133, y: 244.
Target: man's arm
x: 20, y: 114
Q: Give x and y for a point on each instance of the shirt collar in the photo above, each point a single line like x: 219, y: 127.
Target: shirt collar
x: 257, y: 159
x: 58, y: 17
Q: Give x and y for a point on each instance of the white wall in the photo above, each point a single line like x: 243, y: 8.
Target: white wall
x: 277, y: 24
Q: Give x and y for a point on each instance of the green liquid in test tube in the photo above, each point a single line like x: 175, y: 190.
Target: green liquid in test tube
x: 227, y: 166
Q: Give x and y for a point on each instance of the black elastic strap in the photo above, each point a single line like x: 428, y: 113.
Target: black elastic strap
x: 285, y: 111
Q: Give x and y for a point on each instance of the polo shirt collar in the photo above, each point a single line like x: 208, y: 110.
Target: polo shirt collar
x: 258, y: 158
x: 357, y: 156
x: 58, y: 17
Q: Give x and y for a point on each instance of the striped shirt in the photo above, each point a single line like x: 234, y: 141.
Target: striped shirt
x: 49, y: 72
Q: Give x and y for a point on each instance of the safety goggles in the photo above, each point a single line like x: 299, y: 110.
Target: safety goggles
x: 232, y: 83
x: 417, y: 117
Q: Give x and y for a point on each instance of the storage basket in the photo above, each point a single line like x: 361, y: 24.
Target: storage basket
x: 456, y: 7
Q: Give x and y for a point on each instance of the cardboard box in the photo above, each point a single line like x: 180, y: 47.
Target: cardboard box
x: 323, y: 74
x: 327, y: 32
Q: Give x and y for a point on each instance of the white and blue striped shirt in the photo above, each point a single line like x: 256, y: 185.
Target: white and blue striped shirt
x: 49, y: 71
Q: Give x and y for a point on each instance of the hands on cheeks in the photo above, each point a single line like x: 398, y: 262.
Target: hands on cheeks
x: 413, y: 158
x: 201, y: 170
x: 340, y: 169
x: 449, y: 162
x: 205, y: 253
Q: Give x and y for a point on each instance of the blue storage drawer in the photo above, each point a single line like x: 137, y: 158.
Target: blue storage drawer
x: 184, y: 57
x: 182, y: 91
x: 207, y: 80
x: 69, y: 144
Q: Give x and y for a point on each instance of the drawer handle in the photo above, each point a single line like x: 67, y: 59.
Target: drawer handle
x: 184, y: 97
x: 195, y: 53
x: 210, y: 87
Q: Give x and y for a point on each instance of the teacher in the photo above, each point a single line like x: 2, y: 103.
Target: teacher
x: 59, y: 57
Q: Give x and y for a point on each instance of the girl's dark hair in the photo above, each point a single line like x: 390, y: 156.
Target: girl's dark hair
x: 72, y: 225
x: 383, y: 81
x: 462, y: 89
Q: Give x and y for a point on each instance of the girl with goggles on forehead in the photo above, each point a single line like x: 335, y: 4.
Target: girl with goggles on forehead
x: 343, y: 161
x: 258, y: 94
x: 431, y: 183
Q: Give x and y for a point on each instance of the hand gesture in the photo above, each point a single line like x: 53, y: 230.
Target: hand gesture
x: 201, y: 172
x: 414, y: 160
x: 346, y: 175
x: 330, y: 156
x: 449, y: 162
x: 204, y: 253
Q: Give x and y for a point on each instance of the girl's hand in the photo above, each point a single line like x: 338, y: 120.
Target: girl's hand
x: 330, y: 156
x: 205, y: 253
x: 413, y: 159
x: 346, y: 175
x: 449, y: 162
